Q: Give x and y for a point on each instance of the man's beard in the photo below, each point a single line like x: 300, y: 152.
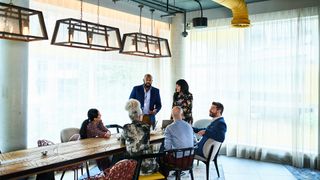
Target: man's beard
x: 147, y: 85
x: 212, y: 115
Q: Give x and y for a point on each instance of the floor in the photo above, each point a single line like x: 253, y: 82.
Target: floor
x: 231, y: 168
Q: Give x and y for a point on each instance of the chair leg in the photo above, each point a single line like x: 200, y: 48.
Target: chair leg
x: 178, y: 175
x: 75, y: 174
x: 191, y: 174
x: 207, y: 169
x: 87, y: 168
x: 82, y: 169
x: 62, y: 175
x: 197, y: 162
x: 217, y: 169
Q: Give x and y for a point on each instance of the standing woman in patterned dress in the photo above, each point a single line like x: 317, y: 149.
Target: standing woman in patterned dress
x: 183, y: 98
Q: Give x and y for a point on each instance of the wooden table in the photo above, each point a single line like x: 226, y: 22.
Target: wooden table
x: 27, y: 162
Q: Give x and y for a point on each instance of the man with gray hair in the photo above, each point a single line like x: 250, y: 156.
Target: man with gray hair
x: 179, y: 134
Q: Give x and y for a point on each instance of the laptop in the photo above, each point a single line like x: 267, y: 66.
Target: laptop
x: 165, y: 123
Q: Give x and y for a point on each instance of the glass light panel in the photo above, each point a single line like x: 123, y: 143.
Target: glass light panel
x: 82, y: 34
x: 139, y: 44
x: 21, y: 24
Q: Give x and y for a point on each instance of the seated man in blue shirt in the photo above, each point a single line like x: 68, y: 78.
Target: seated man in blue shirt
x: 216, y: 129
x: 177, y: 135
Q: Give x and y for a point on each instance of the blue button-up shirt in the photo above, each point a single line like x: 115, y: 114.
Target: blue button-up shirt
x: 146, y: 104
x: 178, y: 135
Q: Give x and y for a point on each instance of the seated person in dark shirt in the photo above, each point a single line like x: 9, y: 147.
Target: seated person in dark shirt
x: 94, y: 127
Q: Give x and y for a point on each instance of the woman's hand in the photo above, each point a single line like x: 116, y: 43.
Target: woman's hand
x: 107, y: 134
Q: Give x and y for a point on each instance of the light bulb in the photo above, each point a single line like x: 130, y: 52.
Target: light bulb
x: 25, y: 28
x: 90, y: 37
x: 70, y: 33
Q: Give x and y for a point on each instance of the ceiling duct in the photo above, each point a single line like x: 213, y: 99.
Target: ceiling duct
x: 200, y: 22
x: 239, y: 10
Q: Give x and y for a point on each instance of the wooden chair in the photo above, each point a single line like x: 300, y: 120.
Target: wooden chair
x: 178, y: 160
x: 211, y: 150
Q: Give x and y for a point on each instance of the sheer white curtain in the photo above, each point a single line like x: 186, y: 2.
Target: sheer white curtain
x: 65, y: 82
x: 267, y: 77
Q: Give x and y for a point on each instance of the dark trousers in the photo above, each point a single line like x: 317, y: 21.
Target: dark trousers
x: 45, y: 176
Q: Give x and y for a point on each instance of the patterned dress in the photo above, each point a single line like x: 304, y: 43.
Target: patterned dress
x: 185, y: 102
x: 136, y: 137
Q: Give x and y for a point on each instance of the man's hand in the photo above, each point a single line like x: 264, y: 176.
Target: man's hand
x: 202, y: 132
x: 153, y: 112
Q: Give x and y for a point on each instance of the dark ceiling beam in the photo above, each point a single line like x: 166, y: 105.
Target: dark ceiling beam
x: 160, y: 6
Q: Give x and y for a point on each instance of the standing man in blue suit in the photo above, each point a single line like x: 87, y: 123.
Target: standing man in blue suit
x: 149, y: 98
x: 216, y: 129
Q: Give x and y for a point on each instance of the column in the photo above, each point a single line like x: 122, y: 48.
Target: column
x: 13, y: 89
x: 178, y: 43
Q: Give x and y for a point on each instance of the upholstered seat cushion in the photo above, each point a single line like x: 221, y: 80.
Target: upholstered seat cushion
x: 200, y: 158
x: 123, y: 170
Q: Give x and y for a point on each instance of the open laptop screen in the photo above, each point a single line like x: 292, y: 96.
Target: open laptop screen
x: 165, y: 123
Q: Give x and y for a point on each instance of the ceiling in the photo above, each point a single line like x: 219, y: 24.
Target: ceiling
x: 162, y: 8
x: 183, y: 5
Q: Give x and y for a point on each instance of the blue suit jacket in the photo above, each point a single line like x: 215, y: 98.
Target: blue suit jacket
x: 155, y: 101
x: 216, y: 130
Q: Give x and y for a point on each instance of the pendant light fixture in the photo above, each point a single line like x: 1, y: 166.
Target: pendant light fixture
x: 139, y: 44
x: 87, y: 35
x: 21, y: 24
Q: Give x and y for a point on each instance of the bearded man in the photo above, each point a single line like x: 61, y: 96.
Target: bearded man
x: 149, y: 98
x: 216, y: 129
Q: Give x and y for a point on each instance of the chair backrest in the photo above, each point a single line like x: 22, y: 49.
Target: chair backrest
x: 180, y: 159
x: 124, y: 169
x: 211, y: 149
x: 116, y: 126
x: 201, y: 123
x: 165, y: 123
x: 69, y: 134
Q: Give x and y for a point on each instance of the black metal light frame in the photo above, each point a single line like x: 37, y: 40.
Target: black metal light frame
x: 90, y: 30
x: 139, y: 44
x: 21, y: 17
x: 148, y: 41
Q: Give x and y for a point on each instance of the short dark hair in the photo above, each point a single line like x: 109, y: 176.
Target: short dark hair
x: 219, y: 106
x: 93, y: 113
x: 184, y: 86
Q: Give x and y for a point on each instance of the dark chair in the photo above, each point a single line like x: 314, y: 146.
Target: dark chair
x: 118, y: 127
x: 211, y: 150
x: 178, y: 160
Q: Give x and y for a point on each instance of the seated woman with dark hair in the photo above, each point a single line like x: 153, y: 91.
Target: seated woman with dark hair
x: 94, y: 127
x: 136, y: 136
